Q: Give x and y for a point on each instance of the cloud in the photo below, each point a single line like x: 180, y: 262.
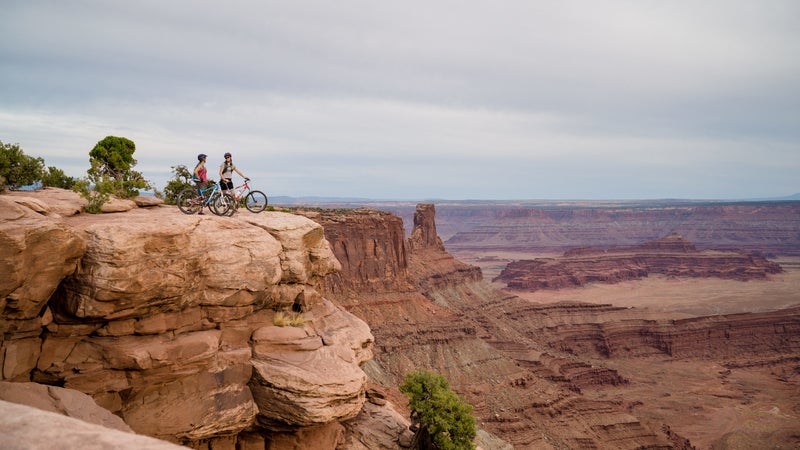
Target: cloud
x: 419, y: 99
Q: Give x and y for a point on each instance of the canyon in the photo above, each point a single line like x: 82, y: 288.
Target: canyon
x: 536, y: 356
x: 167, y: 321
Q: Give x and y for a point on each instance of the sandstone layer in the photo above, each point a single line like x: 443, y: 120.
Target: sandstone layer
x: 167, y: 320
x: 672, y: 256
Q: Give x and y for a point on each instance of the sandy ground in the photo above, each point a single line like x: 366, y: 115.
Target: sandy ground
x: 757, y: 407
x: 677, y: 297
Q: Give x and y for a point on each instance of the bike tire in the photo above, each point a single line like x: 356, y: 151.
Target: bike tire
x: 212, y: 202
x: 189, y: 201
x: 255, y: 201
x: 222, y: 204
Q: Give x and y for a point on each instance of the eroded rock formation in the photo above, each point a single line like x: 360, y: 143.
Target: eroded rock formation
x: 444, y: 326
x: 167, y: 320
x: 672, y: 256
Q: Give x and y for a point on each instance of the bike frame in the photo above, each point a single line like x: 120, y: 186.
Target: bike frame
x: 240, y: 191
x: 202, y: 193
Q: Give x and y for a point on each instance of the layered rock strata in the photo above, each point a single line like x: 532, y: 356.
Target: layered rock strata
x: 672, y: 256
x: 168, y: 321
x: 531, y: 371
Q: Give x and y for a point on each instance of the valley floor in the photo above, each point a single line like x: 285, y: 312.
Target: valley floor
x: 715, y: 404
x: 674, y: 298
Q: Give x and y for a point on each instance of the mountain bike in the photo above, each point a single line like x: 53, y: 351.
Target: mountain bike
x: 192, y: 200
x: 254, y: 201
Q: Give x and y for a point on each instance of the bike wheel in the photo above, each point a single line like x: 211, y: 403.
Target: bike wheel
x: 212, y: 202
x: 222, y: 204
x: 189, y: 202
x: 255, y: 201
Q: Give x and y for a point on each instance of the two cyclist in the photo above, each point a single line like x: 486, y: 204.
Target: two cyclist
x: 226, y: 169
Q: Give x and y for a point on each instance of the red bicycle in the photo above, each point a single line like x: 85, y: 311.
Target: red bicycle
x: 254, y: 201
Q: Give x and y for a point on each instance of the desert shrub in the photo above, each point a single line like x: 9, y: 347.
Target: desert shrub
x: 55, y: 177
x: 285, y: 318
x: 96, y: 189
x: 442, y: 420
x: 18, y: 169
x: 111, y: 173
x: 180, y: 181
x: 112, y: 162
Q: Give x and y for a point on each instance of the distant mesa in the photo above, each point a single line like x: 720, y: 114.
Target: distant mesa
x: 671, y: 255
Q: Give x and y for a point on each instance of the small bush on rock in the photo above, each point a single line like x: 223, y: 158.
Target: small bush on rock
x: 284, y: 318
x: 441, y: 419
x: 180, y: 181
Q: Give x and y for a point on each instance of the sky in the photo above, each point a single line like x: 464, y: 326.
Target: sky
x: 418, y: 100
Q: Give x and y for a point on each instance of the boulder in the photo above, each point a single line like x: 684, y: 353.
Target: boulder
x: 36, y: 253
x: 136, y: 266
x: 67, y: 402
x: 145, y: 201
x: 24, y: 427
x: 50, y: 201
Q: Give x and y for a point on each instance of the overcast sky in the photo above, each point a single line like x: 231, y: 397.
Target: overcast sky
x: 416, y: 99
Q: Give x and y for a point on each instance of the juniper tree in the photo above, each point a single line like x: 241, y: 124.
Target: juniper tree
x: 442, y: 420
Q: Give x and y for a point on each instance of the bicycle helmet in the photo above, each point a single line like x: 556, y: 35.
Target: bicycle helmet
x: 201, y: 157
x: 227, y: 154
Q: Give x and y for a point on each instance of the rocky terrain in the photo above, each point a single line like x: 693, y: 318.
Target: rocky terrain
x: 672, y: 256
x: 169, y: 322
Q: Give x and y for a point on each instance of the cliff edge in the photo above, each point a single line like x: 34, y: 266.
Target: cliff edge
x: 169, y: 321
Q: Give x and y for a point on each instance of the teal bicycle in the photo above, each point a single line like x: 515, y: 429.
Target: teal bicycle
x: 193, y: 200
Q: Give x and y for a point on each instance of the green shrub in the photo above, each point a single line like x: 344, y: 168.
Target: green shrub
x: 180, y: 181
x: 111, y: 173
x: 17, y: 169
x: 112, y: 162
x: 55, y: 177
x: 96, y: 191
x: 441, y: 418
